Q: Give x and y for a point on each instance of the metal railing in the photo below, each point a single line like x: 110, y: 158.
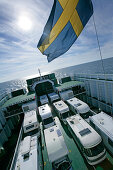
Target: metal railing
x: 19, y: 113
x: 12, y: 167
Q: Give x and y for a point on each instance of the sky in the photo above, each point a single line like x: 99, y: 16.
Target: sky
x: 21, y: 26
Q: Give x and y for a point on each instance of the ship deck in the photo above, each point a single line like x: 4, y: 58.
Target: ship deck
x: 19, y: 99
x: 68, y: 85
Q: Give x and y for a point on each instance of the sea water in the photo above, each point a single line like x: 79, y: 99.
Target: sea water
x: 88, y: 68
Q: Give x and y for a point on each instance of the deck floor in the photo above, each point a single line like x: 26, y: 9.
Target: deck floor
x: 78, y: 161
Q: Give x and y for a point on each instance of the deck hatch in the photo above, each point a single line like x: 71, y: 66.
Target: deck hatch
x: 84, y: 132
x: 59, y: 132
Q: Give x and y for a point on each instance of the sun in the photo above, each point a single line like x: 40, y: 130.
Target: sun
x: 25, y: 23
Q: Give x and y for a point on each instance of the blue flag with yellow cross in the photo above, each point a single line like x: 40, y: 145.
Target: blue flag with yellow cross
x: 65, y: 23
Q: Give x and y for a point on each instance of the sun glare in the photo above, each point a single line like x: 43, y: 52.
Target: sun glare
x: 25, y: 23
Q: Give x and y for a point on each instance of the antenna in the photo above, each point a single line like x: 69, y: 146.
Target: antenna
x: 39, y: 72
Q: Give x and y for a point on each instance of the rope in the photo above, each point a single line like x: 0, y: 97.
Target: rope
x: 100, y: 53
x: 98, y: 45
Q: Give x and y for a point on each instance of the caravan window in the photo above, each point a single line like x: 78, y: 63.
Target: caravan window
x: 29, y: 127
x: 48, y: 121
x: 26, y: 156
x: 26, y: 108
x: 86, y: 115
x: 65, y: 115
x: 95, y: 150
x: 110, y: 142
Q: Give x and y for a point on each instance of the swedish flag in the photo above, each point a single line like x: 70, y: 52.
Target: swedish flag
x: 66, y: 21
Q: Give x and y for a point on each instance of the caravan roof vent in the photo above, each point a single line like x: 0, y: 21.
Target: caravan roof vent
x: 78, y: 104
x: 51, y: 130
x: 72, y: 122
x: 102, y: 121
x: 59, y: 132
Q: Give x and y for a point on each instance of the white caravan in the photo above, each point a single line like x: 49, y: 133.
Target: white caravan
x: 65, y: 95
x: 28, y: 155
x: 53, y: 97
x: 62, y: 109
x: 29, y: 106
x: 79, y: 107
x: 56, y: 148
x: 30, y: 121
x: 87, y: 139
x: 43, y: 99
x: 103, y: 124
x: 46, y: 116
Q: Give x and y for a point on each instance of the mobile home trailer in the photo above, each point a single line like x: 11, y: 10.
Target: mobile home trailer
x: 103, y: 124
x: 29, y: 106
x: 43, y: 99
x: 79, y: 107
x: 30, y: 121
x: 62, y: 109
x: 65, y: 95
x: 46, y: 116
x: 56, y: 148
x: 28, y: 155
x: 87, y: 139
x: 53, y: 97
